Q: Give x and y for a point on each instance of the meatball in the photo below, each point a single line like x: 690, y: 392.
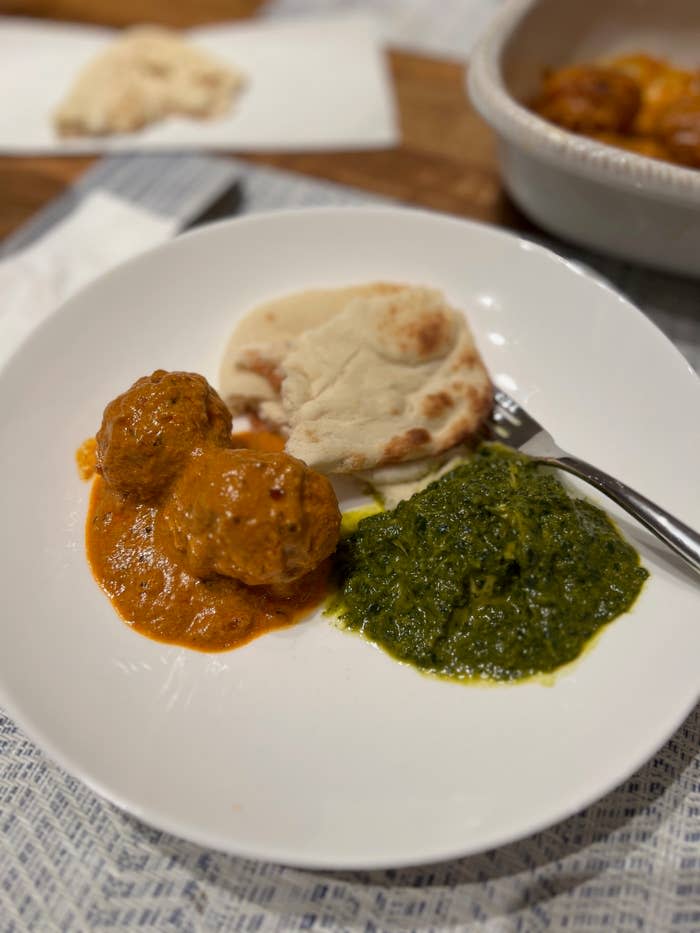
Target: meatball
x: 589, y: 99
x: 149, y: 431
x: 670, y: 87
x: 679, y: 129
x: 262, y: 518
x: 642, y: 68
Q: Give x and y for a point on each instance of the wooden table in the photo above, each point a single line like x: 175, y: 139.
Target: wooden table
x: 445, y: 161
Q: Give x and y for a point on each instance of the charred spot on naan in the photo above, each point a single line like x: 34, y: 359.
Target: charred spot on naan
x: 462, y: 430
x: 403, y: 445
x: 269, y: 368
x: 436, y: 404
x: 427, y: 335
x: 311, y: 434
x: 468, y: 428
x: 467, y: 359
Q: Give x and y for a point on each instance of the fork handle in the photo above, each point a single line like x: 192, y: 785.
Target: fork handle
x: 682, y: 539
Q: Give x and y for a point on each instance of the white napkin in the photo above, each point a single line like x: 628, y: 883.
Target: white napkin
x: 318, y: 83
x: 102, y: 232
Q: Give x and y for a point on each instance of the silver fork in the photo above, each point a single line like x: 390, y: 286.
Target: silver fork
x: 512, y: 425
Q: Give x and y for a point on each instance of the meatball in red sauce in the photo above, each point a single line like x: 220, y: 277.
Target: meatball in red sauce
x: 262, y: 518
x: 149, y: 431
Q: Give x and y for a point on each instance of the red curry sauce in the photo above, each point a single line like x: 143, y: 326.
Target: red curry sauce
x: 131, y: 558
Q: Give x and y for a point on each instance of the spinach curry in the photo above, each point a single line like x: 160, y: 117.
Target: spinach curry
x: 492, y: 571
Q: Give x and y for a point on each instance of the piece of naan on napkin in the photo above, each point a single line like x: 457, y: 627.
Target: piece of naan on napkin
x: 148, y: 74
x: 360, y: 378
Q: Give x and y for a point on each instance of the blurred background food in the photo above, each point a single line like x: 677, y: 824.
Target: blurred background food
x: 444, y: 159
x: 146, y: 74
x: 636, y: 102
x: 611, y: 167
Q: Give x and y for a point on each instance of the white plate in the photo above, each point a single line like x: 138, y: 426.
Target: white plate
x: 309, y: 746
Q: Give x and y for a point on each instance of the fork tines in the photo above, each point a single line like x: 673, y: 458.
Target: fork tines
x: 509, y: 423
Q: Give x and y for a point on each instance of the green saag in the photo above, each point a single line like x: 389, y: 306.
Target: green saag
x: 492, y: 571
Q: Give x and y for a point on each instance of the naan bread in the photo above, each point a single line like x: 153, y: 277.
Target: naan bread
x: 360, y: 379
x: 390, y: 379
x: 250, y: 375
x: 146, y: 75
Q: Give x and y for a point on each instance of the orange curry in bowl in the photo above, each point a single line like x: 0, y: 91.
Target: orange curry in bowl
x: 197, y: 537
x: 634, y: 102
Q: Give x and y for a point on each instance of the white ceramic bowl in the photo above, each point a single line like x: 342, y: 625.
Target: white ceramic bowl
x: 607, y: 199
